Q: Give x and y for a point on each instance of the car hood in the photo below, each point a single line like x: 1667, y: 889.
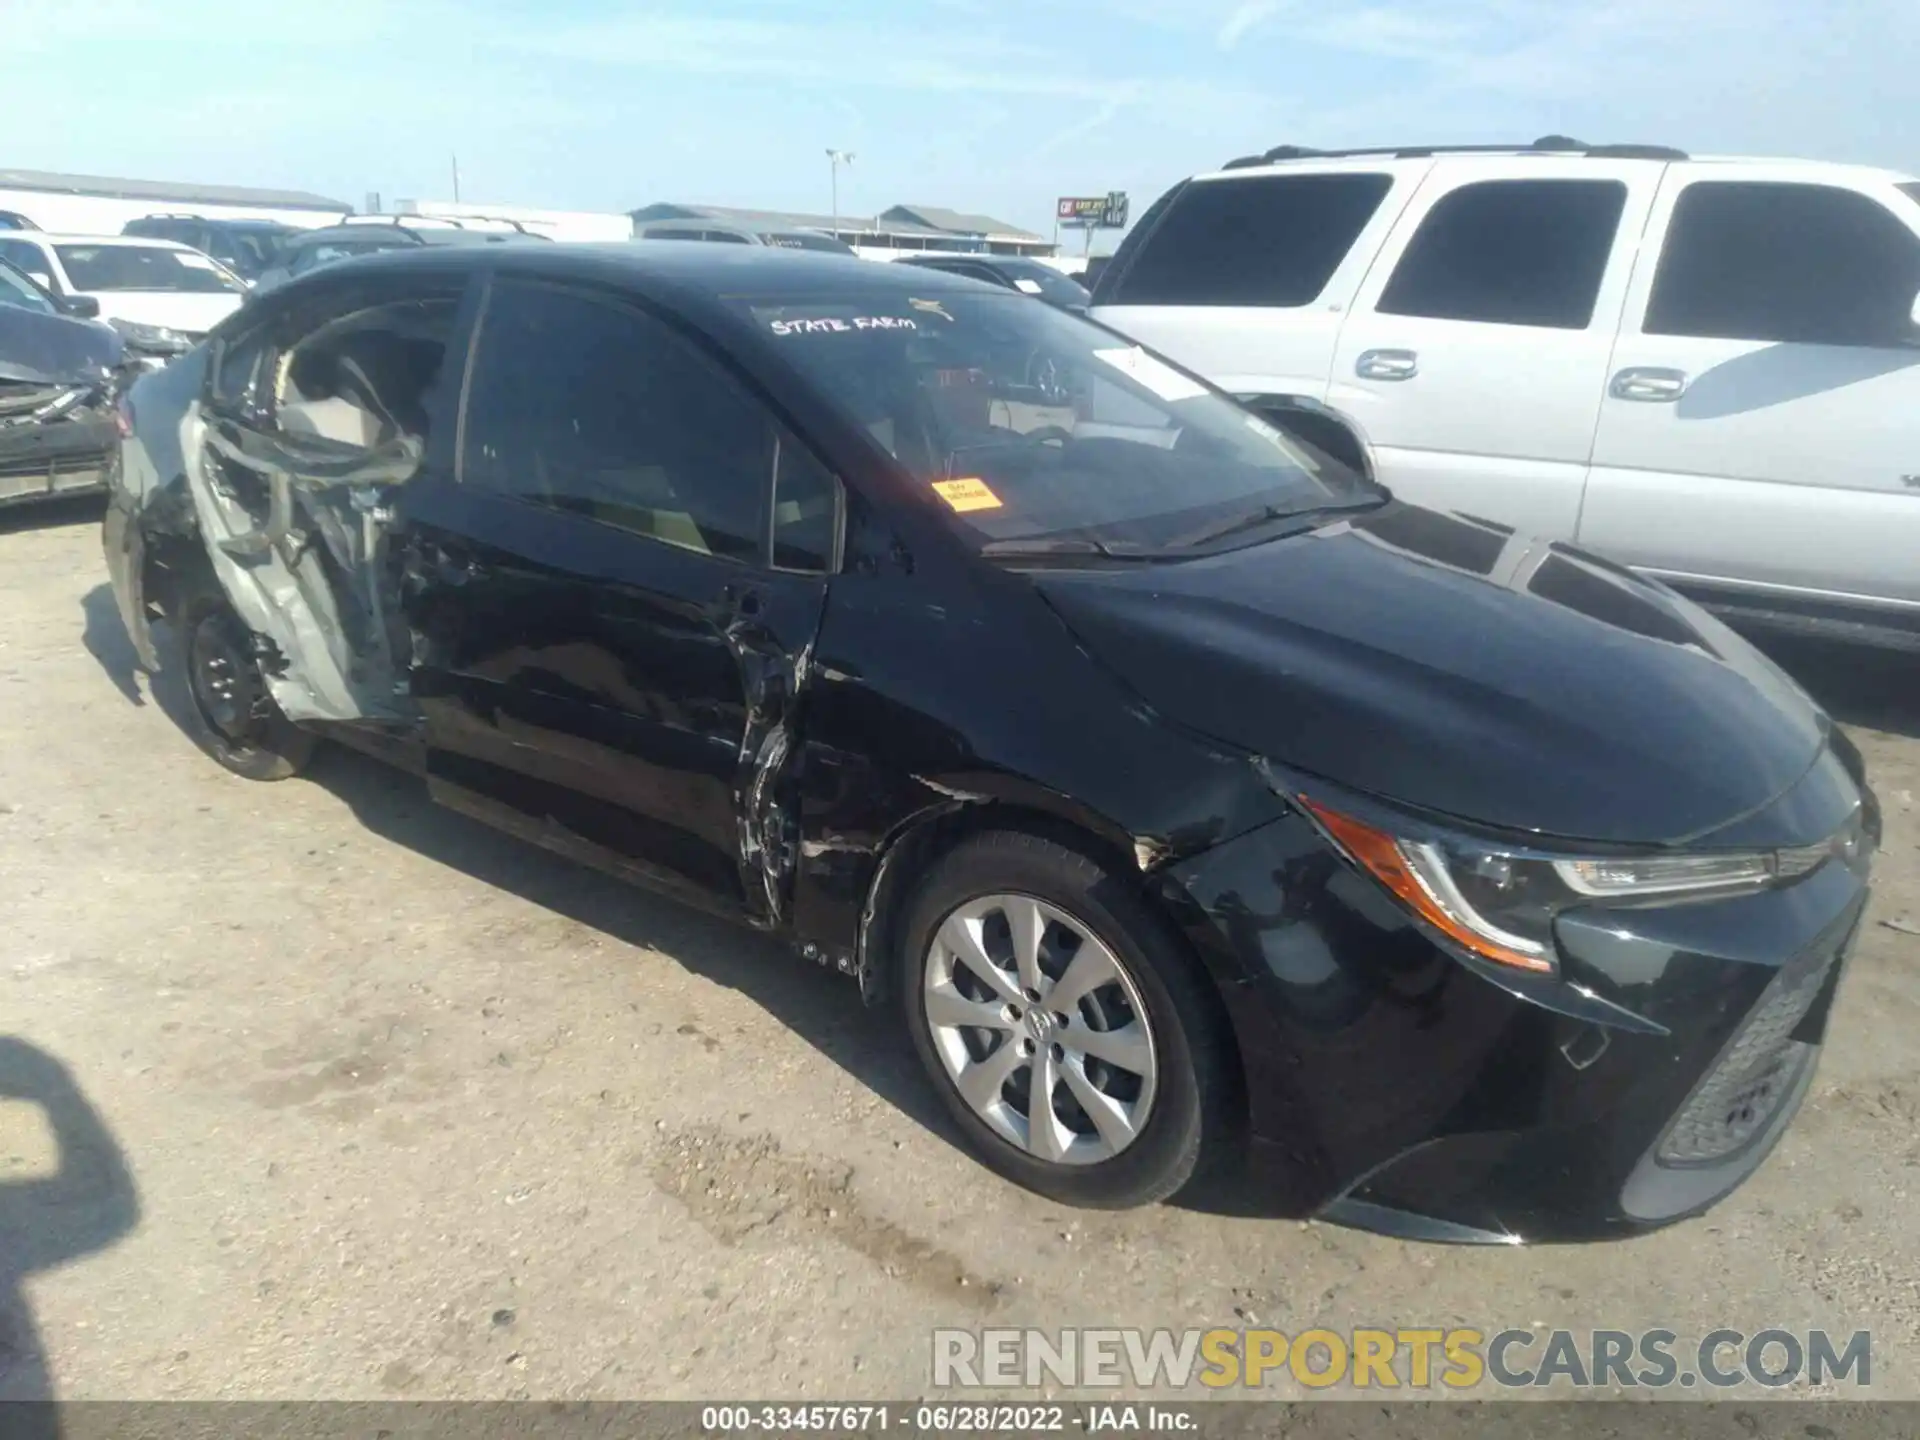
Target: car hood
x: 38, y: 349
x: 177, y: 310
x: 1451, y: 665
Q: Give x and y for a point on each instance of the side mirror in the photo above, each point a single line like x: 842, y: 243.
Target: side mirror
x: 81, y: 307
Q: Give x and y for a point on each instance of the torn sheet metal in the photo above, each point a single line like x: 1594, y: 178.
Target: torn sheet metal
x: 297, y: 538
x: 59, y: 378
x: 769, y: 829
x: 56, y: 351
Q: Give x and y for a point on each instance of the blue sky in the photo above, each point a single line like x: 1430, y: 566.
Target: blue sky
x: 993, y: 105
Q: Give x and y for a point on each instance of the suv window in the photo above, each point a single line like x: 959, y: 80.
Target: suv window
x: 1270, y: 241
x: 1806, y: 264
x: 1510, y: 252
x: 585, y: 406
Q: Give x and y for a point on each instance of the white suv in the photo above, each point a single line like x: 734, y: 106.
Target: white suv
x: 1706, y: 368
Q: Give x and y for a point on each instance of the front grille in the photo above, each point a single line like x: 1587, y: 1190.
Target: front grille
x: 1755, y: 1073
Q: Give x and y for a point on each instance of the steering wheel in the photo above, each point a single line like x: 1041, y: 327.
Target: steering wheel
x: 1048, y: 435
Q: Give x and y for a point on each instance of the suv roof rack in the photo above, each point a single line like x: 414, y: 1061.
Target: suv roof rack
x: 1545, y: 145
x: 410, y: 221
x: 406, y: 222
x: 208, y: 219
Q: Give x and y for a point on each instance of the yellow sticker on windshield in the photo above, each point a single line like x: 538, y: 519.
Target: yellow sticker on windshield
x: 965, y: 495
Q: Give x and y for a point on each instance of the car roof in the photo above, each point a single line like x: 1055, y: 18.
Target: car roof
x: 225, y: 222
x: 145, y: 242
x: 696, y: 276
x: 410, y: 238
x: 690, y: 265
x: 1389, y: 162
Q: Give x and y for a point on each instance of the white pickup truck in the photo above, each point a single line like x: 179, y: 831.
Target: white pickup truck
x: 1707, y: 368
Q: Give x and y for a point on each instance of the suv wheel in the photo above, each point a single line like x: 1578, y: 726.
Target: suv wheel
x: 1068, y: 1034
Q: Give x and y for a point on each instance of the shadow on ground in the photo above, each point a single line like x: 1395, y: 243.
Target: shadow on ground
x: 105, y: 636
x: 823, y: 1009
x: 51, y: 514
x: 82, y: 1200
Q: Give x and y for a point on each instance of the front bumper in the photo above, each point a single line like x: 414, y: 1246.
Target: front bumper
x: 66, y: 456
x: 1393, y: 1086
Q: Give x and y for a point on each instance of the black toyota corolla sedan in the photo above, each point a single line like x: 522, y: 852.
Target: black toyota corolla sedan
x: 1191, y: 797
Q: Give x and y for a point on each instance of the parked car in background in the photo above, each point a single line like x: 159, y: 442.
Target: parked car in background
x: 1707, y: 368
x: 14, y: 220
x: 59, y: 374
x: 1010, y: 272
x: 246, y: 247
x: 724, y: 234
x: 1184, y: 790
x: 161, y: 297
x: 372, y: 234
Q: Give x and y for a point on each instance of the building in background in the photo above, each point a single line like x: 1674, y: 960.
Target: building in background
x: 98, y: 205
x: 904, y: 228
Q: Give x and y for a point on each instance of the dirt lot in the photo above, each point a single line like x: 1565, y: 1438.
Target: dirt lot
x: 406, y: 1109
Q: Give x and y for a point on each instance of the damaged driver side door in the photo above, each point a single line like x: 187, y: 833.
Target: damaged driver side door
x: 613, y: 605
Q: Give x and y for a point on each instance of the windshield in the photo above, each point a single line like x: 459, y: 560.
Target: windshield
x: 144, y: 267
x: 21, y: 293
x: 252, y: 251
x: 1031, y: 423
x: 1033, y: 278
x: 324, y: 252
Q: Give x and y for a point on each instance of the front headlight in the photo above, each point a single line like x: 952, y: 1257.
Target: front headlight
x: 1499, y: 901
x: 153, y: 337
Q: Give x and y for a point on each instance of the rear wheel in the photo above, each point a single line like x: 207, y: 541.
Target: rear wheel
x: 230, y: 712
x: 1068, y: 1034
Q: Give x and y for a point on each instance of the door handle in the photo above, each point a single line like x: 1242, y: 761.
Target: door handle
x: 1648, y: 382
x: 1387, y: 365
x: 743, y: 600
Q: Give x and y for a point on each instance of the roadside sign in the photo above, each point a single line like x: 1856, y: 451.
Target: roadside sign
x: 1093, y: 212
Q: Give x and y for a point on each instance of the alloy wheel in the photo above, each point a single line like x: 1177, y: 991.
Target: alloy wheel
x: 1041, y: 1028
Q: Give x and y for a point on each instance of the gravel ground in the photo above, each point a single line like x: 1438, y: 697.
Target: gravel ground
x: 390, y: 1106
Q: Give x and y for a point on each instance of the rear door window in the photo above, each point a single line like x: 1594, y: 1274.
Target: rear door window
x: 582, y: 405
x: 1510, y: 252
x: 1805, y: 264
x: 1271, y: 240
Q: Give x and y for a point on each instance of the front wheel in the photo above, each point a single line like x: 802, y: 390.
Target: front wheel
x: 1070, y: 1037
x: 229, y: 712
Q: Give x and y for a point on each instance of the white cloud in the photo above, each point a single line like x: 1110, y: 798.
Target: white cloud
x: 1244, y: 18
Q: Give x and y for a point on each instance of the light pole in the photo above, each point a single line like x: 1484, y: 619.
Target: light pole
x: 835, y: 159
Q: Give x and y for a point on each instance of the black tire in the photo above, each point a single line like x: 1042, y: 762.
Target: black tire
x: 1190, y: 1112
x: 250, y: 736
